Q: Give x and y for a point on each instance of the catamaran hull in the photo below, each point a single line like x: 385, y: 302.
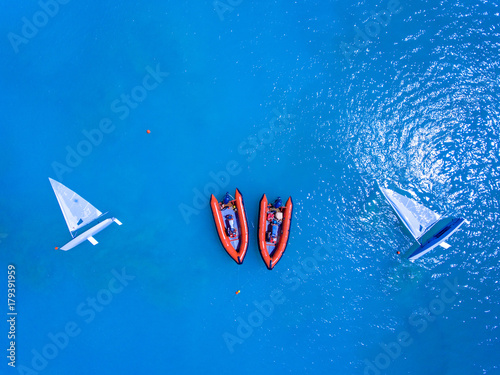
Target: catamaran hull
x: 87, y: 235
x: 437, y: 239
x: 235, y: 247
x: 271, y: 253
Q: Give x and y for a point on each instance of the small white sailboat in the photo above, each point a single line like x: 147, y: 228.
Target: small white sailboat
x: 79, y: 213
x: 425, y: 225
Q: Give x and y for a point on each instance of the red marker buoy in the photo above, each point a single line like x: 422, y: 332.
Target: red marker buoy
x: 148, y: 131
x: 237, y: 292
x: 57, y: 248
x: 399, y: 252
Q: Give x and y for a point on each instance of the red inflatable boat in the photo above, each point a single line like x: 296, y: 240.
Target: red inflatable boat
x: 274, y: 229
x: 231, y: 223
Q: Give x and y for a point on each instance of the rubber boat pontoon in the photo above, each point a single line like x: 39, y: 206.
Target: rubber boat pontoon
x: 274, y: 229
x: 231, y: 224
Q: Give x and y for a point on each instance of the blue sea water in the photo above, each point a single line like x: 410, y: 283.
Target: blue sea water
x: 314, y: 100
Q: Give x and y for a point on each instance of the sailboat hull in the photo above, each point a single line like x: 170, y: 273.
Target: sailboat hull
x: 435, y: 236
x: 425, y: 225
x: 87, y: 234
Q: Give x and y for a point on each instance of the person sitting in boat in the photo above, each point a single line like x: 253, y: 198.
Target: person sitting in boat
x: 231, y: 230
x: 277, y: 205
x: 226, y: 201
x: 273, y: 233
x: 279, y: 216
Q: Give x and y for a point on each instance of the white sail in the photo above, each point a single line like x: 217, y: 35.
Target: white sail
x: 417, y: 218
x: 77, y: 211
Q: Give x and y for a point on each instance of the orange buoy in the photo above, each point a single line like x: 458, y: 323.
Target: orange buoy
x: 399, y: 252
x: 237, y: 292
x: 148, y: 131
x: 57, y: 248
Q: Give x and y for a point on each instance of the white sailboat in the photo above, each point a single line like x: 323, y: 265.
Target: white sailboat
x: 425, y: 225
x: 79, y: 213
